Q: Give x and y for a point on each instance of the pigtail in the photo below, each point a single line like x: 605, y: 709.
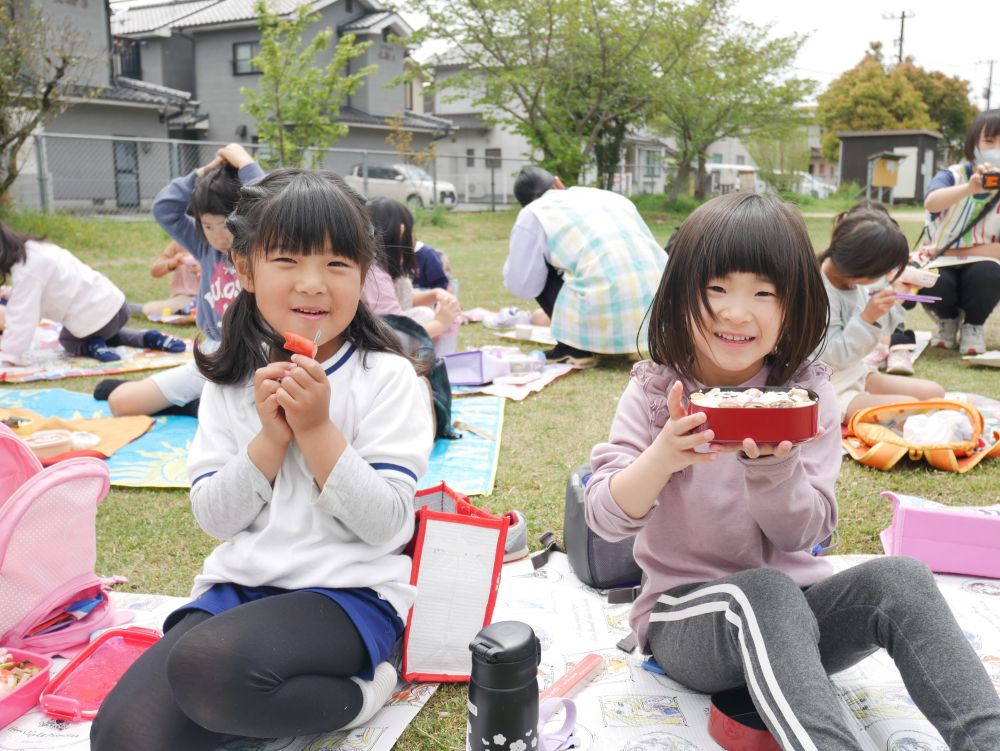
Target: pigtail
x: 246, y: 345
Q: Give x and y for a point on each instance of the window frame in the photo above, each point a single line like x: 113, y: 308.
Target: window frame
x: 254, y: 52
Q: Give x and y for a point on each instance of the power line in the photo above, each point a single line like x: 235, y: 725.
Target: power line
x: 902, y: 28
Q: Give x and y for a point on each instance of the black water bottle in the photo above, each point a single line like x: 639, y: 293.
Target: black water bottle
x: 503, y: 688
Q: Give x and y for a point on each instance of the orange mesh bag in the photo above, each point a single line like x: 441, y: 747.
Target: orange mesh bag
x: 874, y: 437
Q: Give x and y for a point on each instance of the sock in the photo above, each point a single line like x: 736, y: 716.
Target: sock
x: 103, y: 390
x: 99, y: 350
x: 374, y: 693
x: 154, y: 339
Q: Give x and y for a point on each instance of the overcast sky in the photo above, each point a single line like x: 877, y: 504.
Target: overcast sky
x: 956, y: 37
x: 839, y: 33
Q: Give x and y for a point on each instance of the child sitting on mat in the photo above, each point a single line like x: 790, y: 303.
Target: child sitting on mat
x: 47, y: 281
x: 866, y: 246
x: 732, y: 595
x: 306, y: 471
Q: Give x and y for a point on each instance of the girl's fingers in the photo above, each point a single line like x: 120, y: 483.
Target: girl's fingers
x: 674, y: 405
x: 687, y: 423
x: 310, y: 366
x: 692, y: 440
x: 750, y: 448
x: 784, y: 448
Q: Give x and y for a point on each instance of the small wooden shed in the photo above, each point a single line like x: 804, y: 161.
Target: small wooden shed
x: 919, y: 147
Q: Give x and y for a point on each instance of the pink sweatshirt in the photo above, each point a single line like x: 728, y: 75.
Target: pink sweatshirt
x: 716, y: 519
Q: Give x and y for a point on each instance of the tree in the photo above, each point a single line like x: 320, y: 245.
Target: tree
x: 780, y: 155
x: 947, y: 100
x: 867, y: 97
x: 732, y: 83
x: 562, y: 73
x: 299, y: 100
x: 40, y: 64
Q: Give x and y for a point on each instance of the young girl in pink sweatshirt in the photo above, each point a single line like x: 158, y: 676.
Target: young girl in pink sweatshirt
x: 733, y: 595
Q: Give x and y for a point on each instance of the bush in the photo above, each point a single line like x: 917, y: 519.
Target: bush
x: 650, y: 202
x: 434, y: 217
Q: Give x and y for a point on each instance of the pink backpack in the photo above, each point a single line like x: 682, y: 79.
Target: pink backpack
x: 48, y: 548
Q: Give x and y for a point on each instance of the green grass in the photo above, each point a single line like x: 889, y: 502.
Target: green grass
x: 150, y: 536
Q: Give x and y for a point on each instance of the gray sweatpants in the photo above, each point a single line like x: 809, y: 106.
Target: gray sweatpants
x: 759, y: 629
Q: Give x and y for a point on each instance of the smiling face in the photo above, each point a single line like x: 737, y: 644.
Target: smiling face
x: 738, y: 331
x: 304, y: 294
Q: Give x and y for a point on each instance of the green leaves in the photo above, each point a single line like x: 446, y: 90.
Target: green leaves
x: 297, y: 101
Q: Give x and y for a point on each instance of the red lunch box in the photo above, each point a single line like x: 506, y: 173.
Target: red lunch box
x: 762, y: 424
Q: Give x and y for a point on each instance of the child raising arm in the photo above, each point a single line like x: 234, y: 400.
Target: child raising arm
x: 305, y: 469
x: 732, y: 596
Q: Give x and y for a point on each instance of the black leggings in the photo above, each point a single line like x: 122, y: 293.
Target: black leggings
x: 547, y: 297
x: 271, y: 668
x: 973, y: 288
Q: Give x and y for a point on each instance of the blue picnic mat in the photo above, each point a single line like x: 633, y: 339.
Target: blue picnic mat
x: 158, y: 459
x: 469, y: 464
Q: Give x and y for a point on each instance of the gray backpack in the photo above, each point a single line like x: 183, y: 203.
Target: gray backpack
x: 595, y: 561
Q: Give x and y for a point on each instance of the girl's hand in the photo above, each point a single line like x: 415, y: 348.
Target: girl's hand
x: 304, y: 395
x: 879, y: 304
x: 214, y: 164
x: 447, y: 308
x: 676, y: 441
x: 753, y: 450
x: 235, y: 155
x: 274, y: 426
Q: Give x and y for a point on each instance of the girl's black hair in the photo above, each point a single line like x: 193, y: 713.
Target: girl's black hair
x: 985, y: 124
x: 301, y: 212
x: 12, y: 250
x: 749, y: 233
x: 397, y: 250
x: 866, y: 243
x: 215, y: 192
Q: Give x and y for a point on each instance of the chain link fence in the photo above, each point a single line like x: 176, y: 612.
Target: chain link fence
x: 120, y: 176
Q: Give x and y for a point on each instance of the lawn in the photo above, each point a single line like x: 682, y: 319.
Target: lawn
x: 150, y: 536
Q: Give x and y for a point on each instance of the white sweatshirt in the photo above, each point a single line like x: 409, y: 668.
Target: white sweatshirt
x: 53, y: 283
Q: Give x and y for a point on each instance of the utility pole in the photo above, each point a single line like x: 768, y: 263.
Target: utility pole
x: 902, y: 29
x: 989, y: 82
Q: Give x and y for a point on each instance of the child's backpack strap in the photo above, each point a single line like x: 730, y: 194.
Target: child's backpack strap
x: 874, y: 437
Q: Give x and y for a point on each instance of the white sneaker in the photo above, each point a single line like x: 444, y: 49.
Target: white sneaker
x: 900, y: 360
x: 507, y: 318
x: 973, y: 339
x: 946, y: 334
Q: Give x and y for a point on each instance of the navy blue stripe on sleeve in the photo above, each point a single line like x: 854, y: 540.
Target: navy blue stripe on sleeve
x: 394, y: 467
x: 201, y: 477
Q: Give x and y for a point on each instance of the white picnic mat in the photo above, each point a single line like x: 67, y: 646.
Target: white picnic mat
x: 35, y: 730
x: 627, y: 708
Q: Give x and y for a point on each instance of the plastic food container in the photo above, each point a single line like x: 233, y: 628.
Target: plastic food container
x: 762, y: 424
x: 734, y: 724
x: 77, y: 692
x: 25, y: 696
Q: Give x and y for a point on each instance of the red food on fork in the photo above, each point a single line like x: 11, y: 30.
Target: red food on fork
x: 298, y: 343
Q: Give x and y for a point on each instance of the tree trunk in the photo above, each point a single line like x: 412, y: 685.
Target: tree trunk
x: 699, y: 188
x: 679, y: 182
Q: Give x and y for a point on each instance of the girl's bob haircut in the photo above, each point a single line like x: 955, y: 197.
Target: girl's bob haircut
x: 867, y: 243
x: 749, y: 233
x: 303, y: 213
x: 985, y: 124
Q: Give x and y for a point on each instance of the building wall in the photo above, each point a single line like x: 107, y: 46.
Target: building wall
x: 89, y: 19
x: 854, y: 153
x: 82, y: 172
x: 373, y: 96
x: 151, y: 60
x: 177, y: 60
x: 218, y: 88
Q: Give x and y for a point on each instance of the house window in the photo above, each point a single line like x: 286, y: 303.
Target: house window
x: 740, y: 159
x: 492, y: 158
x: 243, y: 53
x: 651, y: 165
x: 716, y: 158
x: 470, y: 157
x: 128, y: 60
